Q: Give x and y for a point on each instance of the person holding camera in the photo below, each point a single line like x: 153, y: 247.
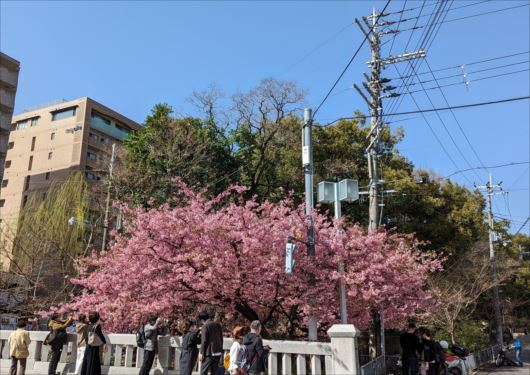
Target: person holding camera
x: 151, y: 332
x: 56, y: 339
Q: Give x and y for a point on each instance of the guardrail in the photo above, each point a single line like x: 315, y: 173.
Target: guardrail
x: 125, y: 358
x: 471, y: 362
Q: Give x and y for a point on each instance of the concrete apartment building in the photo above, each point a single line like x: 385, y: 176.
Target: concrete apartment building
x: 9, y: 69
x: 48, y: 143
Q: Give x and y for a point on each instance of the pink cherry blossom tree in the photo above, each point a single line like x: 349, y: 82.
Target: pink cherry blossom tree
x: 229, y: 254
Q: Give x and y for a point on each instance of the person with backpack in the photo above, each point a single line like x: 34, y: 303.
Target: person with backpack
x: 150, y: 344
x: 256, y: 354
x: 211, y: 344
x: 238, y: 352
x: 92, y: 361
x: 81, y: 329
x: 57, y: 338
x: 429, y: 352
x: 189, y: 351
x: 18, y: 342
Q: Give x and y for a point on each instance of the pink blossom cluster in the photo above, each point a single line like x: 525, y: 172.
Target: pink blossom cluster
x: 229, y: 254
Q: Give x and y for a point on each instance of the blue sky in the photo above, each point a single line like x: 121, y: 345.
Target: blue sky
x: 131, y: 55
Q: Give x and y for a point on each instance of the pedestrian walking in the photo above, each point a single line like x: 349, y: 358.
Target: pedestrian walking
x: 57, y: 338
x: 410, y: 349
x: 518, y: 347
x: 256, y: 354
x: 430, y: 352
x: 237, y: 352
x: 151, y: 343
x: 190, y: 350
x: 211, y: 344
x: 91, y: 364
x: 81, y: 329
x: 18, y: 342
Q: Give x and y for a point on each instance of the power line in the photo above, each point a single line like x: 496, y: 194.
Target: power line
x: 467, y: 64
x: 400, y: 17
x: 467, y: 73
x: 327, y: 40
x: 363, y: 117
x: 471, y: 81
x: 522, y: 226
x: 454, y: 116
x: 351, y: 60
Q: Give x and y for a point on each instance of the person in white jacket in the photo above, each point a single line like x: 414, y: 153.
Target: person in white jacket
x: 237, y: 351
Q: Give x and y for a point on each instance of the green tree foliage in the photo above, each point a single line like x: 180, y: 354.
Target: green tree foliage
x: 47, y: 238
x: 195, y: 150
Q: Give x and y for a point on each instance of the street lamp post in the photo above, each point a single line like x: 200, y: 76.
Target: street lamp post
x: 328, y: 192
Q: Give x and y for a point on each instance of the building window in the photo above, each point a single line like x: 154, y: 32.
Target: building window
x: 8, y: 164
x: 2, y: 202
x: 22, y: 124
x: 99, y: 118
x: 34, y: 121
x: 93, y: 136
x: 24, y: 201
x: 63, y: 113
x: 26, y: 183
x: 33, y: 143
x: 92, y: 155
x: 4, y: 183
x: 47, y: 176
x: 90, y: 176
x: 10, y: 145
x: 103, y: 140
x: 52, y: 136
x: 30, y: 163
x: 122, y: 128
x: 13, y: 127
x: 50, y: 154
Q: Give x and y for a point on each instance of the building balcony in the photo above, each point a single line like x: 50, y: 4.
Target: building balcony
x: 103, y: 127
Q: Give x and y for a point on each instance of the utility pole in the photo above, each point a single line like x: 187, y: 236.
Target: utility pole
x: 107, y: 202
x: 307, y: 162
x: 375, y: 86
x: 490, y: 190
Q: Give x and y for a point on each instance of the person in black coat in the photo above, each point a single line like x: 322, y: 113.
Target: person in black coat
x: 256, y: 352
x: 189, y: 351
x: 92, y: 362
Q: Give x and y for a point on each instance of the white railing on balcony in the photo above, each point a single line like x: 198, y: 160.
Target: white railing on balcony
x: 124, y: 357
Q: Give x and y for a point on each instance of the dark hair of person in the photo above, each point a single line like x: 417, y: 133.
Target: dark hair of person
x: 426, y: 332
x: 82, y: 318
x: 152, y: 319
x: 93, y: 317
x: 188, y: 324
x: 204, y: 315
x: 412, y: 325
x: 21, y: 323
x: 54, y: 316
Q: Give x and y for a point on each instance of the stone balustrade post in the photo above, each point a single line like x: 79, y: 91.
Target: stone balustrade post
x: 344, y: 354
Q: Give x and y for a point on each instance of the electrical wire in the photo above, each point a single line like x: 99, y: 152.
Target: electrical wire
x: 327, y: 40
x: 468, y: 73
x: 349, y: 62
x: 470, y: 105
x: 469, y: 81
x: 466, y: 64
x: 400, y: 18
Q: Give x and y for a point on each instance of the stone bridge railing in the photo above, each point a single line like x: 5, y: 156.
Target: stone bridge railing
x: 123, y: 357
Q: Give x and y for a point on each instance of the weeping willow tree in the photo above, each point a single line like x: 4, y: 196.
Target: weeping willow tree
x: 51, y: 232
